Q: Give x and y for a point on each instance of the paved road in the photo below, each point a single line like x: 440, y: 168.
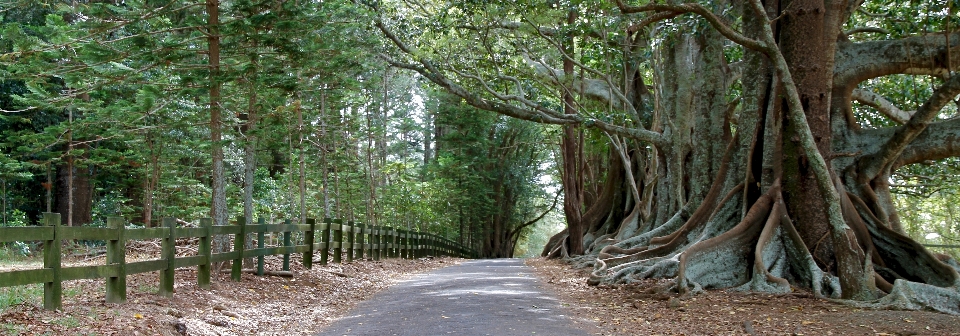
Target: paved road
x: 479, y: 297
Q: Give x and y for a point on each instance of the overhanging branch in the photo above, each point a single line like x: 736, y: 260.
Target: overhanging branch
x: 939, y: 140
x: 918, y: 55
x: 883, y: 105
x: 871, y: 166
x: 535, y: 113
x: 717, y: 22
x: 535, y: 220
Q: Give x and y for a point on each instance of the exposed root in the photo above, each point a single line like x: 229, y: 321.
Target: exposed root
x: 630, y: 224
x: 768, y: 254
x: 718, y: 262
x: 608, y: 251
x: 674, y: 244
x: 904, y: 256
x: 804, y: 270
x: 909, y: 295
x: 553, y: 244
x: 706, y: 207
x: 670, y: 225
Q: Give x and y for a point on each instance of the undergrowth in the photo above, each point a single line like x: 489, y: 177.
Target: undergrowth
x: 10, y: 296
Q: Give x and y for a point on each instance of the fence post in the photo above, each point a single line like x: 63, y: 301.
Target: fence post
x: 371, y: 243
x: 286, y: 243
x: 116, y: 255
x: 52, y: 290
x: 308, y: 240
x: 169, y: 252
x: 387, y: 238
x: 417, y: 245
x: 401, y: 244
x: 411, y: 244
x: 397, y: 248
x: 361, y: 233
x: 418, y: 239
x: 337, y: 240
x: 238, y: 241
x: 260, y: 242
x: 384, y: 248
x: 369, y: 239
x: 405, y: 242
x: 325, y: 238
x: 351, y: 238
x: 412, y: 241
x: 203, y: 270
x: 375, y: 247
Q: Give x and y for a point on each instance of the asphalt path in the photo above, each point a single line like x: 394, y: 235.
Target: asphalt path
x: 477, y: 297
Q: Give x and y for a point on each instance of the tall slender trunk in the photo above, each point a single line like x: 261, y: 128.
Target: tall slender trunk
x: 70, y: 169
x: 371, y: 171
x: 249, y: 130
x: 427, y: 143
x: 49, y: 187
x: 148, y: 182
x: 323, y: 155
x: 4, y: 202
x: 303, y: 178
x: 218, y: 204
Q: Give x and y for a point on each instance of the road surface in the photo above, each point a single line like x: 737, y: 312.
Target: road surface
x: 477, y: 297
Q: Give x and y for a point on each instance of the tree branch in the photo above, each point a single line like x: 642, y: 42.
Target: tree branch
x: 866, y: 30
x: 537, y: 113
x: 593, y: 88
x: 918, y: 55
x: 883, y: 105
x: 871, y: 165
x: 939, y: 141
x: 717, y: 22
x: 544, y: 214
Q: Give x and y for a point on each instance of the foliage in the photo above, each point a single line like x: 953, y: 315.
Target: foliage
x: 116, y: 95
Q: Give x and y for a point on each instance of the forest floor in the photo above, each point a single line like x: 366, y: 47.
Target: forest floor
x: 266, y: 305
x: 627, y: 310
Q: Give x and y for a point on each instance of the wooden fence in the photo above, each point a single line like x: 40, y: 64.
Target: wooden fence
x: 354, y: 241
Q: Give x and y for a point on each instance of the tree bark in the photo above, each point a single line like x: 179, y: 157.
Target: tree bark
x: 218, y: 197
x: 570, y: 149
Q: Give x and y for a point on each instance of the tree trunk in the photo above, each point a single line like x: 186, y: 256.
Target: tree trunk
x: 570, y: 150
x: 218, y: 202
x: 249, y: 130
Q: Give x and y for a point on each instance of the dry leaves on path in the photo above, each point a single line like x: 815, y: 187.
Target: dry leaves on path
x: 255, y: 306
x: 629, y: 310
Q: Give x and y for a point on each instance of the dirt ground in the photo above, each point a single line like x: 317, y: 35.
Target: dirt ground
x: 626, y: 310
x: 255, y: 306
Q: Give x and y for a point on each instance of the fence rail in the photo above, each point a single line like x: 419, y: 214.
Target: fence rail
x: 353, y: 240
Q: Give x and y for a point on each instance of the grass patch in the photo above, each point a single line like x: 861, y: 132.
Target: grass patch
x: 67, y: 321
x: 15, y: 295
x: 148, y: 288
x: 12, y: 329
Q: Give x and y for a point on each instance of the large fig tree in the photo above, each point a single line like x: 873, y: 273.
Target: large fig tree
x: 736, y: 157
